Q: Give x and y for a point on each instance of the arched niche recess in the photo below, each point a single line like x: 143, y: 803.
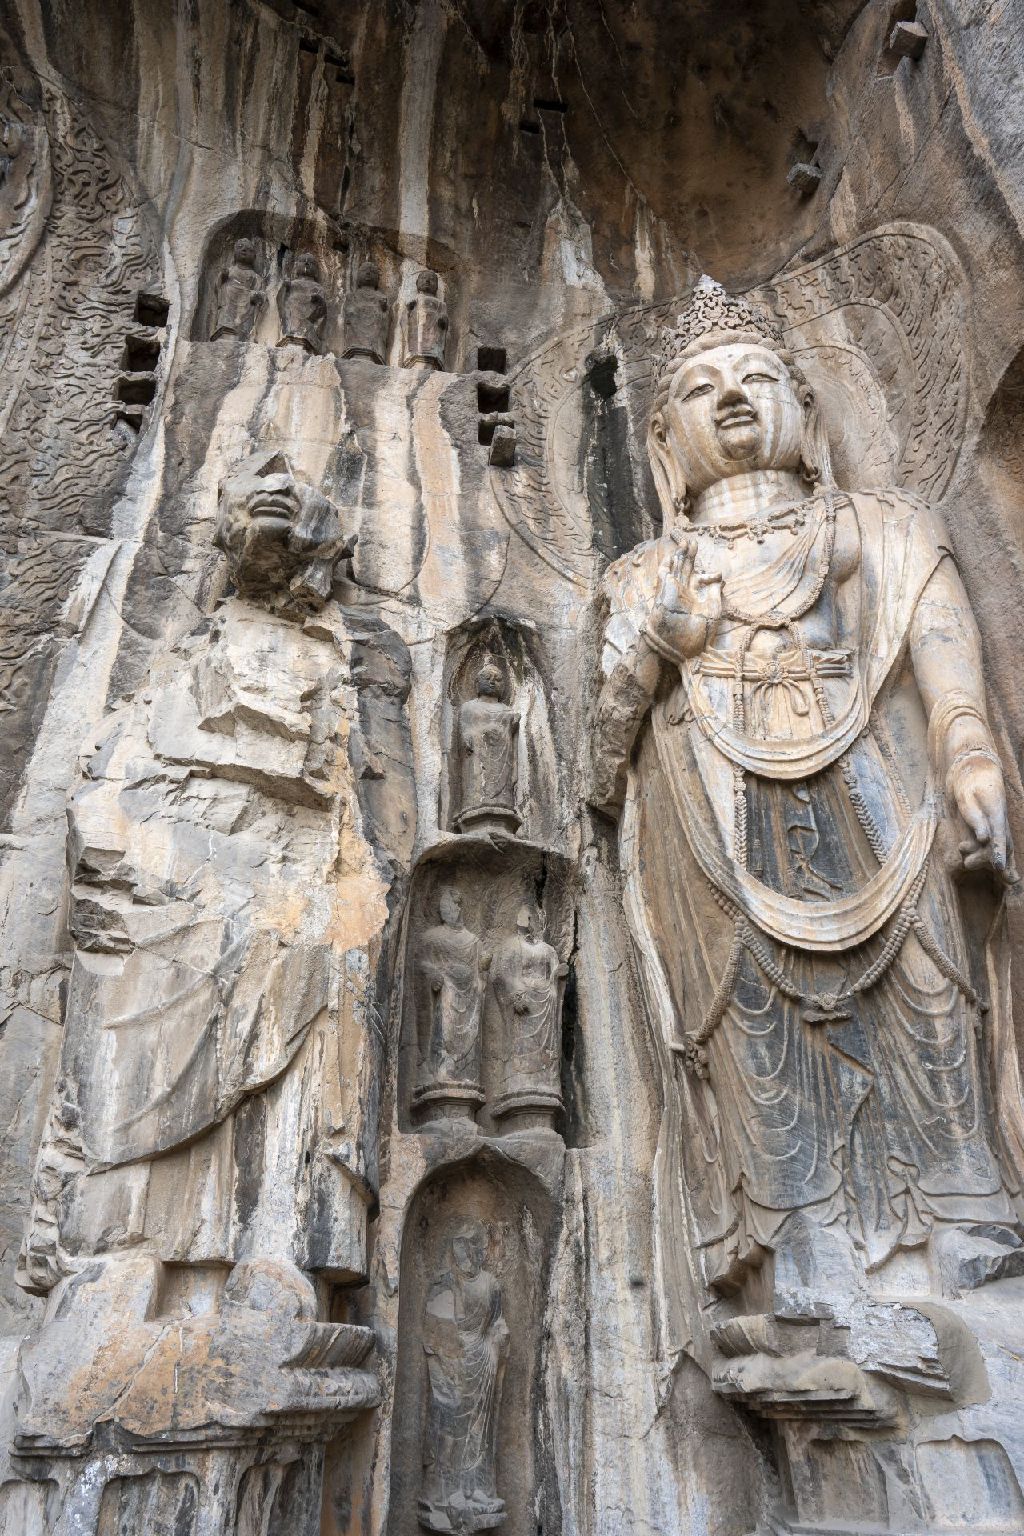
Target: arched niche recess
x: 493, y: 883
x: 516, y: 652
x: 339, y: 253
x: 514, y: 1211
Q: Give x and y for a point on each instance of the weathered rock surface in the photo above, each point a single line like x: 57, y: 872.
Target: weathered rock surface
x: 511, y: 942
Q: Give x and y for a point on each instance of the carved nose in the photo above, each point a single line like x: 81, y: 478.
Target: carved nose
x: 732, y: 394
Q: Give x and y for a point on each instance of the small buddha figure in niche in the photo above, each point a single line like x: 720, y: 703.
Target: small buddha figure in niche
x: 449, y: 980
x: 792, y: 678
x: 527, y: 982
x: 466, y: 1342
x: 240, y: 293
x: 486, y: 748
x: 365, y: 317
x: 302, y: 304
x: 426, y: 324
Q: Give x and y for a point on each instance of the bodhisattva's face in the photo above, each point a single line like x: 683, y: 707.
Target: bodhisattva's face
x: 730, y: 410
x: 469, y: 1250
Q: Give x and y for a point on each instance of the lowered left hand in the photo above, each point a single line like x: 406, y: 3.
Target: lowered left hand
x: 981, y: 801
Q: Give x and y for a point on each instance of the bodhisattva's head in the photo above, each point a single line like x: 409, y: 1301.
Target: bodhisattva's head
x: 729, y: 400
x: 450, y: 907
x: 469, y: 1247
x: 281, y: 535
x: 490, y: 681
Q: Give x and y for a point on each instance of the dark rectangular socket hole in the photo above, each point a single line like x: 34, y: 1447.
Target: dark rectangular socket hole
x: 492, y: 397
x: 131, y: 416
x: 136, y: 388
x: 141, y: 354
x: 485, y: 433
x: 151, y: 309
x: 491, y: 359
x: 549, y: 106
x: 526, y: 126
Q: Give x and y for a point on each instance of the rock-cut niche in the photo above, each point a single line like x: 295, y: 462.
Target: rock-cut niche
x: 484, y: 922
x: 467, y: 1426
x: 494, y: 666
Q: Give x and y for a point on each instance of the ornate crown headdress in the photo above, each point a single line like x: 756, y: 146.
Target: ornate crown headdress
x: 712, y: 311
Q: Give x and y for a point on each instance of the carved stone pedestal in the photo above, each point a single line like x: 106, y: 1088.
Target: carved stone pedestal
x: 448, y: 1101
x: 526, y: 1112
x: 210, y: 1420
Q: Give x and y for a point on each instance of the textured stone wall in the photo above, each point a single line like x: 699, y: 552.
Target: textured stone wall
x: 360, y: 1170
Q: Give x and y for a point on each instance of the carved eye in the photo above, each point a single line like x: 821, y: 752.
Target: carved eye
x: 760, y: 378
x: 698, y: 389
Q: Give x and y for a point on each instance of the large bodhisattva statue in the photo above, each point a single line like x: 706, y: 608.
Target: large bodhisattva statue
x: 792, y: 709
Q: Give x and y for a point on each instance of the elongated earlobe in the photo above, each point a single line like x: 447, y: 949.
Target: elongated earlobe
x: 815, y: 458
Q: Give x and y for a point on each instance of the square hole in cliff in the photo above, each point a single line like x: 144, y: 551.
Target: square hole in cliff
x: 492, y: 397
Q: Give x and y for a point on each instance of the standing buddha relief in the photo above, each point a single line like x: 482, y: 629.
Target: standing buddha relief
x: 528, y: 979
x: 792, y: 701
x: 466, y: 1342
x: 487, y: 746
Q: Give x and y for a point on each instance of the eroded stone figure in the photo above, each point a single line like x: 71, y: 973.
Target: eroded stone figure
x: 240, y: 294
x: 791, y: 721
x: 486, y: 747
x: 302, y: 305
x: 426, y: 324
x: 365, y: 317
x: 466, y: 1342
x: 449, y: 979
x: 527, y: 981
x: 225, y: 899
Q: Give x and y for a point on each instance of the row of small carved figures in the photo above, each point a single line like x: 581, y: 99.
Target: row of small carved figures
x: 304, y: 302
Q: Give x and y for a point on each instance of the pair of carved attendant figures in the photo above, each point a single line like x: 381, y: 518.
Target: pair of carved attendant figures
x: 466, y: 1342
x: 365, y: 321
x: 526, y: 983
x: 792, y: 698
x: 241, y: 298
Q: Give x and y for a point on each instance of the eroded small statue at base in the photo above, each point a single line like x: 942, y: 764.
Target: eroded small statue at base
x: 466, y: 1343
x: 426, y: 324
x: 365, y: 317
x: 302, y: 304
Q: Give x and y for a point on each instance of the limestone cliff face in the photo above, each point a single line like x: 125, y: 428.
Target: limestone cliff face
x: 350, y: 1092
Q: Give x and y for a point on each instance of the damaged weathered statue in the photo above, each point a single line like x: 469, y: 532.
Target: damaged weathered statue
x: 466, y: 1340
x: 214, y: 1083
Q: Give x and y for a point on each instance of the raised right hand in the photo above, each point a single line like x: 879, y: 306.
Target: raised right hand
x: 687, y: 604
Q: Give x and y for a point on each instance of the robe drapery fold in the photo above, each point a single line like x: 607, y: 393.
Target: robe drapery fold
x: 875, y: 1114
